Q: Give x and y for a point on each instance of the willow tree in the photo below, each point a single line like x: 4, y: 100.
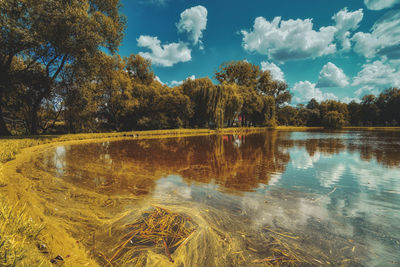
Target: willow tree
x: 233, y: 102
x: 207, y: 102
x: 257, y: 90
x: 49, y: 34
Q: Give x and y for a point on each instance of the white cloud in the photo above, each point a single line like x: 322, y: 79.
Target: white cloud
x: 194, y: 22
x: 366, y: 90
x: 345, y: 22
x: 158, y: 80
x: 177, y: 83
x: 332, y: 76
x: 287, y: 40
x: 164, y: 55
x: 276, y: 72
x: 347, y: 99
x: 306, y: 90
x: 383, y: 39
x: 378, y: 74
x: 380, y: 4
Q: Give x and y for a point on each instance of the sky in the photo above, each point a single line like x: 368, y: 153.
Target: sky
x: 323, y: 49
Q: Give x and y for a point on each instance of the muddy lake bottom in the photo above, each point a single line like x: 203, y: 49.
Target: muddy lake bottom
x: 277, y: 197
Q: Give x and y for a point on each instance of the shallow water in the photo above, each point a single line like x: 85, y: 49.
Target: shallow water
x: 337, y: 193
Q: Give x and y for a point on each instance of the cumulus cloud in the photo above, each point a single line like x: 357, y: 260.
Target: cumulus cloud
x: 284, y: 40
x: 276, y: 72
x: 165, y: 55
x: 305, y: 90
x: 332, y: 76
x: 345, y: 23
x: 383, y: 39
x: 378, y: 74
x: 287, y: 40
x: 194, y: 22
x: 380, y: 4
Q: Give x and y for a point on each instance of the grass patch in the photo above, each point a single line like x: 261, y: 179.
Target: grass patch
x: 18, y: 233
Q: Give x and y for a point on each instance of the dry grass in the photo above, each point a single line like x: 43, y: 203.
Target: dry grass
x: 18, y: 233
x: 159, y: 229
x: 354, y: 128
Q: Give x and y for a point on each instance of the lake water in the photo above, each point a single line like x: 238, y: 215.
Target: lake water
x: 320, y: 197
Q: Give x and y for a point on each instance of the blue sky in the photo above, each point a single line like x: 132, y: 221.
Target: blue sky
x: 323, y: 49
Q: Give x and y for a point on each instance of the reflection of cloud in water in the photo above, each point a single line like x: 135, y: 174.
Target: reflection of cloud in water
x: 172, y: 186
x: 284, y: 209
x: 301, y: 159
x: 331, y: 174
x: 59, y: 160
x: 275, y: 177
x: 373, y: 176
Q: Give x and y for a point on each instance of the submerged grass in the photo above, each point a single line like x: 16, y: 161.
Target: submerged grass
x: 18, y: 234
x: 158, y: 229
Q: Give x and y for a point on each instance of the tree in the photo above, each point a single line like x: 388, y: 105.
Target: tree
x: 116, y: 86
x: 333, y: 120
x: 313, y: 104
x: 257, y: 90
x: 139, y: 69
x: 369, y: 110
x: 233, y: 102
x: 241, y: 73
x: 276, y: 89
x: 47, y: 35
x: 287, y: 115
x: 388, y: 103
x: 206, y: 101
x: 355, y: 113
x: 332, y: 105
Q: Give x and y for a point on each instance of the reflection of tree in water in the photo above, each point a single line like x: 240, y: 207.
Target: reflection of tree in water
x: 324, y: 146
x: 381, y: 146
x: 238, y: 163
x: 384, y: 147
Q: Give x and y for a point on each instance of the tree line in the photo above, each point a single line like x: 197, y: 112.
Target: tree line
x: 382, y: 110
x: 60, y: 73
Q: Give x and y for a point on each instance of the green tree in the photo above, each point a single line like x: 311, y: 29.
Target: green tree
x: 233, y: 102
x: 355, y: 113
x: 369, y: 110
x: 116, y: 87
x: 47, y: 35
x: 333, y: 120
x: 206, y: 101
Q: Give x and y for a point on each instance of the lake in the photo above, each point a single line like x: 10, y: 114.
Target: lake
x: 307, y: 198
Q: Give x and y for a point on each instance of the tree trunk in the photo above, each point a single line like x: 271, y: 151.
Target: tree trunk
x: 33, y: 126
x: 3, y: 127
